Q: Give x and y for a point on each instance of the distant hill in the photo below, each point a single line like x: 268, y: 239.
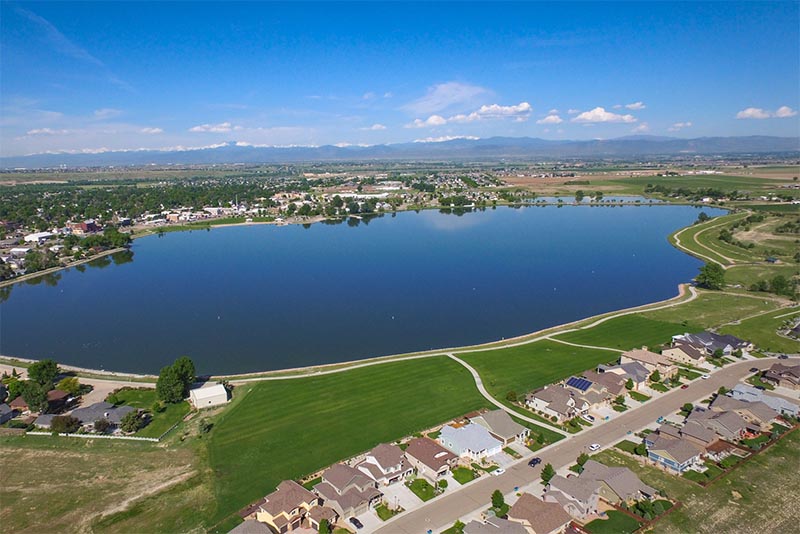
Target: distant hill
x: 457, y: 149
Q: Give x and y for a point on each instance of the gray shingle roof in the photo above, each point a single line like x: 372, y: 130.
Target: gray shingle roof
x: 101, y: 410
x: 500, y: 423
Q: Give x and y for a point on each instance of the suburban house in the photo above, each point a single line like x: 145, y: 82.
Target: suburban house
x: 682, y: 352
x: 56, y: 400
x: 728, y: 425
x: 593, y: 394
x: 747, y: 393
x: 101, y: 410
x: 494, y: 525
x: 431, y: 460
x: 651, y: 361
x: 6, y: 413
x: 288, y: 507
x: 470, y: 441
x: 347, y: 490
x: 786, y: 376
x: 577, y: 497
x: 44, y: 421
x: 209, y: 396
x: 755, y: 413
x: 251, y: 526
x: 385, y: 464
x: 555, y: 401
x: 613, y: 384
x: 502, y: 427
x: 634, y: 371
x: 714, y: 343
x: 539, y: 517
x: 676, y: 455
x: 19, y: 405
x: 617, y: 484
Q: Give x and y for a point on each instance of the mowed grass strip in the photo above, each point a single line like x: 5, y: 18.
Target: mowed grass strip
x: 286, y: 429
x: 762, y: 331
x: 626, y: 332
x: 527, y: 367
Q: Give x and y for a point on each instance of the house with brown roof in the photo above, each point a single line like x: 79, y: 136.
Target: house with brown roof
x: 347, y: 490
x: 555, y: 401
x: 56, y: 400
x: 431, y: 460
x: 676, y: 455
x: 614, y: 384
x: 538, y: 516
x: 728, y: 425
x: 651, y: 361
x: 755, y: 413
x: 787, y: 376
x: 502, y: 427
x: 385, y: 464
x: 682, y: 352
x: 494, y: 525
x: 617, y: 484
x: 288, y: 507
x: 19, y: 405
x: 577, y: 497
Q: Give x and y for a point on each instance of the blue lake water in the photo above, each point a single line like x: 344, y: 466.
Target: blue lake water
x: 264, y: 297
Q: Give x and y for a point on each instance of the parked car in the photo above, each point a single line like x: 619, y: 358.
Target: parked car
x: 660, y: 419
x: 535, y: 461
x: 705, y: 377
x: 685, y: 386
x: 762, y: 388
x: 588, y: 417
x: 498, y: 471
x: 594, y: 447
x: 356, y: 523
x: 783, y: 357
x: 754, y: 369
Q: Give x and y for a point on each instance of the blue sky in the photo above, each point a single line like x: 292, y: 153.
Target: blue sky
x: 100, y: 76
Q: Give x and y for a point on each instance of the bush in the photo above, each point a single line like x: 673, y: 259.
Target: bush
x: 102, y: 426
x: 511, y: 396
x: 64, y: 424
x: 131, y: 422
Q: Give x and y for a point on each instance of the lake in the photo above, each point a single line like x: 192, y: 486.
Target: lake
x: 263, y: 297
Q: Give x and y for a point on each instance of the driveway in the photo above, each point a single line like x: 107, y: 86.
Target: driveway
x: 399, y: 494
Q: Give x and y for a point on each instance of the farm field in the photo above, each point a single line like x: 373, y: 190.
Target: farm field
x: 715, y: 181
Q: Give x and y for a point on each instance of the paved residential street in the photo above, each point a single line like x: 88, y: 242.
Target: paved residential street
x: 443, y: 511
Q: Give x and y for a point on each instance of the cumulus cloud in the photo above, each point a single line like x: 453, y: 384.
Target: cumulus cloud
x: 106, y: 113
x: 518, y: 113
x: 553, y: 111
x: 635, y: 106
x: 47, y: 131
x: 444, y: 138
x: 599, y: 114
x: 550, y: 119
x: 151, y: 131
x: 222, y: 127
x: 642, y: 128
x: 782, y: 112
x: 445, y: 95
x: 375, y: 127
x: 678, y: 126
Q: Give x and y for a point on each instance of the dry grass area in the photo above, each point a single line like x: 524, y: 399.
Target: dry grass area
x: 70, y: 484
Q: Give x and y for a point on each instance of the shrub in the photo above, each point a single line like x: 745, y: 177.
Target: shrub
x: 64, y: 424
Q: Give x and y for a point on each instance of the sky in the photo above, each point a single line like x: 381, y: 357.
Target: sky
x: 93, y: 77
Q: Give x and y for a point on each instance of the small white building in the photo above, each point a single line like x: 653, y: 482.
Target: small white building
x: 209, y: 396
x: 38, y: 237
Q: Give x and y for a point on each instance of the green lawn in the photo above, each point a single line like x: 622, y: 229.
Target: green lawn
x: 626, y: 445
x: 421, y: 489
x: 526, y: 367
x: 711, y: 309
x: 627, y: 332
x: 385, y: 513
x: 757, y: 442
x: 635, y: 395
x: 762, y: 331
x: 144, y: 399
x: 659, y: 387
x: 463, y: 475
x: 617, y: 523
x: 755, y: 380
x: 289, y: 428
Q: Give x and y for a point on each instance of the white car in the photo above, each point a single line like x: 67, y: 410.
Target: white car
x: 705, y: 377
x: 587, y: 417
x: 498, y: 471
x: 594, y: 447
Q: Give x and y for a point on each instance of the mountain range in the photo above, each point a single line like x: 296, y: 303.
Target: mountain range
x: 493, y: 148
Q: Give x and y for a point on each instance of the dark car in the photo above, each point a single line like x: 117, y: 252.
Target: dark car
x: 356, y: 523
x: 762, y: 388
x: 685, y: 386
x: 783, y: 357
x: 754, y: 369
x: 535, y: 461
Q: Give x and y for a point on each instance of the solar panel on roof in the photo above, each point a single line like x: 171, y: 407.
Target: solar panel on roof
x: 579, y: 383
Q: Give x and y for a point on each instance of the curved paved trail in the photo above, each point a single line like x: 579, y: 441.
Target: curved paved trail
x: 595, y: 347
x: 681, y: 246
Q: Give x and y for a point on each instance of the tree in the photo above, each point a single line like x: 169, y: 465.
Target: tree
x: 703, y: 217
x: 169, y: 386
x: 629, y: 384
x: 511, y: 396
x: 458, y: 527
x: 712, y: 276
x: 324, y: 526
x: 35, y: 396
x: 640, y: 450
x: 780, y: 285
x: 131, y: 422
x: 655, y: 376
x: 44, y: 372
x: 184, y: 367
x: 548, y: 473
x: 102, y: 425
x: 579, y: 195
x: 687, y: 408
x: 64, y: 424
x: 497, y: 499
x: 582, y: 459
x: 69, y: 384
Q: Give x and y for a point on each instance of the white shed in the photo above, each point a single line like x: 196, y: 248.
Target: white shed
x: 209, y: 396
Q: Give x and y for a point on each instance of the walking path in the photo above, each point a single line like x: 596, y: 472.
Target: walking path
x: 584, y: 346
x: 686, y: 249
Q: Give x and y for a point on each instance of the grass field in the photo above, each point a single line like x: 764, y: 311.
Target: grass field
x: 628, y: 332
x: 762, y: 331
x: 527, y: 367
x: 711, y: 309
x: 617, y: 523
x: 722, y: 182
x: 745, y: 275
x: 144, y: 399
x: 287, y: 429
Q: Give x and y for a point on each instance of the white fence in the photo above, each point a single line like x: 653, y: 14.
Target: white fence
x: 95, y: 436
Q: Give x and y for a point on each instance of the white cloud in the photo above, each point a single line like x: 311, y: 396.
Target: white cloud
x: 433, y: 120
x: 599, y: 114
x: 573, y: 111
x: 784, y: 112
x: 444, y: 95
x: 47, y: 131
x: 617, y: 106
x: 678, y: 126
x: 106, y: 113
x: 222, y: 127
x: 444, y: 138
x: 642, y: 128
x: 519, y: 113
x: 151, y: 131
x: 375, y: 127
x: 753, y: 113
x: 550, y: 119
x: 368, y: 95
x: 553, y: 111
x: 635, y: 106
